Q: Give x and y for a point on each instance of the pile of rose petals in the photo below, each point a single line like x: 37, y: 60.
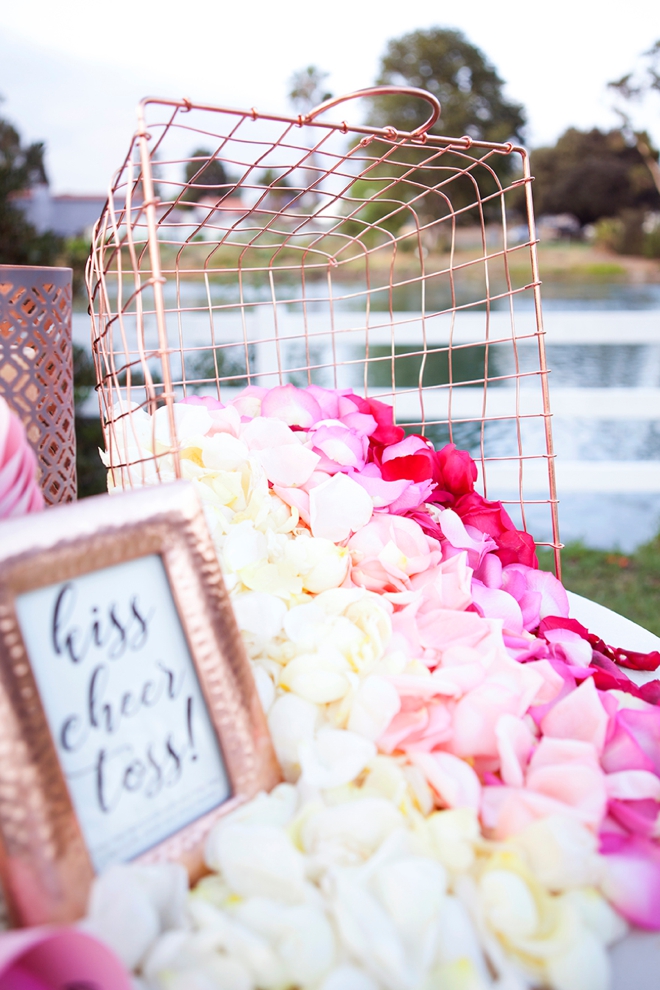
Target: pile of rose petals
x: 473, y: 782
x: 19, y: 491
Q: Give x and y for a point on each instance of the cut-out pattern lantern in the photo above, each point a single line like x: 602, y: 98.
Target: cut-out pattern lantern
x: 36, y: 369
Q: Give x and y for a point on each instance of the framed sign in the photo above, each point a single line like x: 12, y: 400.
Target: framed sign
x: 129, y: 720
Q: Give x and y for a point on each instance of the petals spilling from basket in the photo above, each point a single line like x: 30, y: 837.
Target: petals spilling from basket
x: 473, y: 789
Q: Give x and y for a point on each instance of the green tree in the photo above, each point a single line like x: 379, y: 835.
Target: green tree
x: 307, y: 89
x: 459, y: 75
x: 633, y: 88
x: 21, y: 167
x: 592, y: 174
x: 470, y: 91
x: 206, y: 176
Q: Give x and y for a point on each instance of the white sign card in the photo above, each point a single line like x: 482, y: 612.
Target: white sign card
x: 124, y: 706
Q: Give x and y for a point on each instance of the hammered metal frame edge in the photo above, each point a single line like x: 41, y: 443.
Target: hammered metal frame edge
x: 44, y: 863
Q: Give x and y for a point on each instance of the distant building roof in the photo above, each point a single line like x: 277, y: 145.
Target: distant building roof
x: 67, y: 215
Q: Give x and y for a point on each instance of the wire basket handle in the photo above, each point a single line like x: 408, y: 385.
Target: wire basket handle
x: 422, y: 94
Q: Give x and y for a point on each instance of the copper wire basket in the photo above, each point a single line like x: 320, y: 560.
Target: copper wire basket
x: 402, y: 265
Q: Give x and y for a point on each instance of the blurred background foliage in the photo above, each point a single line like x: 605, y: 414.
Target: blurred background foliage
x: 606, y: 183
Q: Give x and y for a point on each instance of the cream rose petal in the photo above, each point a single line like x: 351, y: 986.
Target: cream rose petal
x: 508, y: 904
x: 317, y: 677
x: 223, y: 452
x: 339, y: 507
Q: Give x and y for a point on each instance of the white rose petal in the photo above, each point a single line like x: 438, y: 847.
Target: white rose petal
x: 179, y: 962
x: 561, y: 852
x: 305, y: 625
x: 454, y: 833
x: 339, y: 507
x: 244, y: 546
x: 352, y: 831
x: 583, y: 966
x: 375, y: 704
x: 334, y: 758
x: 265, y: 687
x: 458, y: 939
x: 597, y: 915
x: 190, y: 421
x: 258, y: 860
x: 300, y: 934
x: 276, y: 808
x: 259, y: 613
x: 291, y: 720
x: 123, y: 914
x: 348, y: 978
x: 413, y: 890
x: 370, y: 936
x: 219, y: 931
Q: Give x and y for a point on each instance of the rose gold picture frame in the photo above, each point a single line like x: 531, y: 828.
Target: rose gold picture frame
x: 45, y: 864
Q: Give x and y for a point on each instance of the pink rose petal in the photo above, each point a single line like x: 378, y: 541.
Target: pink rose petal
x: 579, y: 715
x: 294, y: 406
x: 290, y: 465
x: 514, y: 745
x: 631, y: 878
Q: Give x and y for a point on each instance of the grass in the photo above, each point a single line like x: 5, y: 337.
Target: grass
x: 626, y: 583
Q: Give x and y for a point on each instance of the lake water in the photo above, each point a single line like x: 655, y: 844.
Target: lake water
x: 606, y: 405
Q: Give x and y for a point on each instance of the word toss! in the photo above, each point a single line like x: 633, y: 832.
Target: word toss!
x: 146, y: 701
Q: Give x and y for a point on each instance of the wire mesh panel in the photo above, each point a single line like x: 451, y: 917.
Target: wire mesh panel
x: 244, y: 248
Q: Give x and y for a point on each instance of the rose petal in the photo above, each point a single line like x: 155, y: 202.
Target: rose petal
x: 334, y: 758
x: 339, y: 507
x: 294, y: 406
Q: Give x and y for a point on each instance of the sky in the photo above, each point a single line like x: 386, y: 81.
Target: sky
x: 72, y: 71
